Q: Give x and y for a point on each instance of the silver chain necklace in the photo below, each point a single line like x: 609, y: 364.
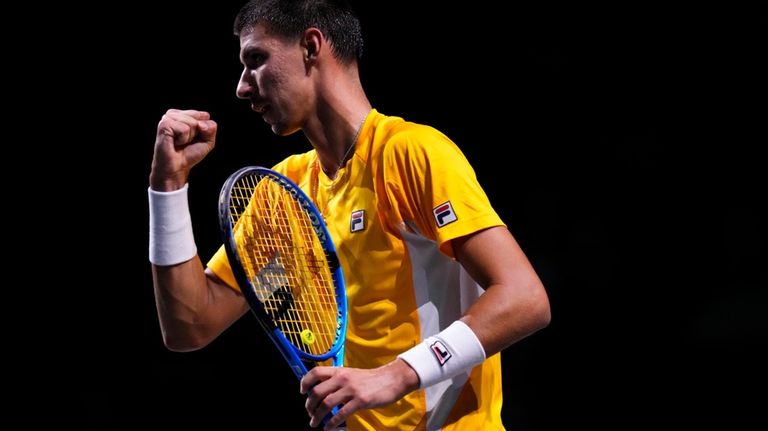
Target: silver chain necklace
x: 336, y: 179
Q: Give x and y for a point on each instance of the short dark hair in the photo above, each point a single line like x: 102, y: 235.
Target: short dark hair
x: 334, y: 18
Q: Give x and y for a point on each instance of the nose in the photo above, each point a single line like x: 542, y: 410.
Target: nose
x: 245, y: 85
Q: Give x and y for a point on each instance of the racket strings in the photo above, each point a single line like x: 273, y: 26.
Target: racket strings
x: 285, y: 262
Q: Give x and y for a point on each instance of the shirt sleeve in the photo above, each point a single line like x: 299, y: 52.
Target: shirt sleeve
x: 431, y: 186
x: 219, y: 265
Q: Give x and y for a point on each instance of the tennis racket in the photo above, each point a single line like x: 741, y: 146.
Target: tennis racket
x: 286, y: 265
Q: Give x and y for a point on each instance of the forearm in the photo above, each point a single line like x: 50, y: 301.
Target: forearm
x: 504, y: 315
x: 496, y: 320
x: 193, y: 308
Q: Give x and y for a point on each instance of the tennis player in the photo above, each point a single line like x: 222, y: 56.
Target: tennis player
x: 437, y: 286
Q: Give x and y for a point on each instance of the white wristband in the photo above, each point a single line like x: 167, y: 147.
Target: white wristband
x: 171, y: 240
x: 442, y: 356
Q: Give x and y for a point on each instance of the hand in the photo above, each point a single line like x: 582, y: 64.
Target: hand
x: 183, y: 139
x: 327, y: 387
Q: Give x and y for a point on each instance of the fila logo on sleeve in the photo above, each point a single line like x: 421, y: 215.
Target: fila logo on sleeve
x: 441, y: 352
x: 357, y: 221
x: 444, y: 214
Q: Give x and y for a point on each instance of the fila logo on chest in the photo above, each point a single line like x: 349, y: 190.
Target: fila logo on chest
x: 357, y: 221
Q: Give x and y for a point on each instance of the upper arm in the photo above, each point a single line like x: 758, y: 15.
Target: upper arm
x: 493, y: 257
x: 194, y: 305
x: 228, y: 302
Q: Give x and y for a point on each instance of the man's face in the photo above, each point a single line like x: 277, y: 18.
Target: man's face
x: 275, y: 78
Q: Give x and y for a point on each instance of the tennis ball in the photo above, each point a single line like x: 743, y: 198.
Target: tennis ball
x: 308, y: 337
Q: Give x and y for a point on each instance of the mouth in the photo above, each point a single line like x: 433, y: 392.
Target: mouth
x: 260, y: 108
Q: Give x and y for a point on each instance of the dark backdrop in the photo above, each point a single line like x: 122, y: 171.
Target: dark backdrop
x: 618, y: 145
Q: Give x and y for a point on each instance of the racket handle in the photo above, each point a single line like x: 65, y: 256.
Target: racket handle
x: 331, y: 414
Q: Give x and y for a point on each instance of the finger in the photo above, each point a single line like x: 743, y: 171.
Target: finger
x: 325, y: 407
x: 307, y: 382
x: 182, y: 132
x: 208, y: 130
x: 183, y: 117
x: 180, y: 128
x: 192, y: 118
x: 197, y: 115
x: 313, y: 377
x: 320, y: 401
x: 317, y: 394
x: 341, y: 416
x: 185, y: 129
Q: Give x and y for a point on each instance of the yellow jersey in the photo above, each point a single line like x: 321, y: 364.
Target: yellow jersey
x: 392, y: 212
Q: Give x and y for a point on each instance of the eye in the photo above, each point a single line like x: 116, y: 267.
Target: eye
x: 254, y: 60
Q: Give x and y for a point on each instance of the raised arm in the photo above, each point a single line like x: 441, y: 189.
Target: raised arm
x: 193, y: 305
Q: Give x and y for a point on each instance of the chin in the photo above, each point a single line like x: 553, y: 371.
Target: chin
x: 277, y: 130
x: 282, y: 129
x: 276, y: 125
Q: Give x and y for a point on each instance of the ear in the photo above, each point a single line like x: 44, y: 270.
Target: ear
x: 314, y: 43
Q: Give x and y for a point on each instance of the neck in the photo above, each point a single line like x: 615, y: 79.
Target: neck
x: 332, y: 167
x: 341, y: 109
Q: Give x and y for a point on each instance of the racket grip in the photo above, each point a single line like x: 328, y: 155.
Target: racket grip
x: 331, y: 414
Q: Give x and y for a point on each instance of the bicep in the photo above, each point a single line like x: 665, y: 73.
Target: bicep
x: 493, y: 257
x: 226, y: 303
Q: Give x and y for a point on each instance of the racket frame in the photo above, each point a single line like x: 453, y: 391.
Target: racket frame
x: 294, y: 356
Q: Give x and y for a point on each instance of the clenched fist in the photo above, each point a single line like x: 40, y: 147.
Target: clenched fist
x: 183, y: 139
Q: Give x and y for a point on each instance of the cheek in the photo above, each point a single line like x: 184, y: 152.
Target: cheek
x: 288, y: 73
x: 271, y: 81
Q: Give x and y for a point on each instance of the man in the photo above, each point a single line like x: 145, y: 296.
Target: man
x: 436, y: 284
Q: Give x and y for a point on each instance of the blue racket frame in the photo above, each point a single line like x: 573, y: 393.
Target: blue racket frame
x: 293, y: 355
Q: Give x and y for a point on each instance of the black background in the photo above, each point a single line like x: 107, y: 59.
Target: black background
x: 619, y: 144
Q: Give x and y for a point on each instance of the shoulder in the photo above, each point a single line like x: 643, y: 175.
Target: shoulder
x: 407, y: 139
x: 295, y: 165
